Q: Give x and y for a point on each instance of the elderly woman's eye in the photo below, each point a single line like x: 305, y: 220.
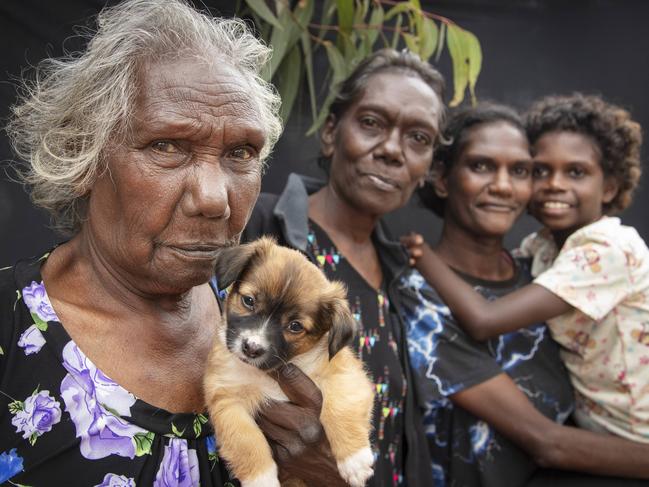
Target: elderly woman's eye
x: 369, y: 122
x: 165, y: 147
x: 243, y: 153
x: 295, y: 327
x: 248, y: 301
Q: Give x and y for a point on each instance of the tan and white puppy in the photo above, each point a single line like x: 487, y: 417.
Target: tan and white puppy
x: 281, y: 308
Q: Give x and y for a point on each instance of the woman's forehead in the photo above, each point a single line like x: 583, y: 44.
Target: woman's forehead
x: 199, y: 95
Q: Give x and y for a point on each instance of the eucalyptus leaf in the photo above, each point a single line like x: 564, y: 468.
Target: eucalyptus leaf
x: 455, y: 41
x: 411, y: 41
x: 289, y: 75
x: 398, y: 9
x: 375, y: 26
x: 397, y: 32
x: 427, y: 38
x: 308, y: 68
x: 361, y: 11
x: 474, y: 54
x: 345, y: 9
x: 440, y: 41
x: 261, y: 8
x: 282, y: 41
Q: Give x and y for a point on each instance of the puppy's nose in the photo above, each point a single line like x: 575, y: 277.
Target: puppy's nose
x: 252, y: 349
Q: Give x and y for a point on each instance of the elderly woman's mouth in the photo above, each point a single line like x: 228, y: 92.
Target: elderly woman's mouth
x: 381, y: 182
x: 197, y: 251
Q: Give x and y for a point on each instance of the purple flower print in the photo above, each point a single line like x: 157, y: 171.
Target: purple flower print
x: 114, y: 480
x: 96, y: 404
x: 36, y: 415
x: 179, y: 467
x: 36, y: 300
x: 31, y: 340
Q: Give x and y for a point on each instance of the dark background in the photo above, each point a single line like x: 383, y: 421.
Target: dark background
x: 531, y: 48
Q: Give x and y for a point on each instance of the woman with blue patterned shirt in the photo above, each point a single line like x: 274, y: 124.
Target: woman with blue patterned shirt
x: 492, y: 410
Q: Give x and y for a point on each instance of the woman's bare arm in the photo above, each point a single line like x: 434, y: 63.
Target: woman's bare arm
x: 499, y: 402
x: 484, y: 319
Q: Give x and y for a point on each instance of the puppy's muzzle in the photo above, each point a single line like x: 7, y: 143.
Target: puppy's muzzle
x: 252, y: 349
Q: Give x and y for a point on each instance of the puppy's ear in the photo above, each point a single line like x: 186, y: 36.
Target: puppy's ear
x: 343, y: 325
x: 231, y: 262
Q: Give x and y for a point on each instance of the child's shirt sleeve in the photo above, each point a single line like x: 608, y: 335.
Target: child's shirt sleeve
x: 591, y: 274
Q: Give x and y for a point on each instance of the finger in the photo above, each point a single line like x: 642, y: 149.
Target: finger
x: 289, y: 441
x: 299, y: 388
x: 297, y: 419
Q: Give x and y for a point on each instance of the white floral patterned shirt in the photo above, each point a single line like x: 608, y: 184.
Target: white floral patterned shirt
x: 603, y: 272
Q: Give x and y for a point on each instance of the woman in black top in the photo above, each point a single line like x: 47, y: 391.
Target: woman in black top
x: 377, y: 144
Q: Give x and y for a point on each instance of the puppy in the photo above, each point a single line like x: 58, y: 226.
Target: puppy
x: 281, y: 308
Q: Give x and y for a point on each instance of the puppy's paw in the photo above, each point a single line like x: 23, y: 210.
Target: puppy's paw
x: 266, y: 479
x: 357, y: 468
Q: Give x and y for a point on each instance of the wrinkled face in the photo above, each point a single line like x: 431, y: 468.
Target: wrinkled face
x: 183, y: 182
x: 569, y: 185
x: 281, y: 307
x: 490, y: 184
x: 382, y: 146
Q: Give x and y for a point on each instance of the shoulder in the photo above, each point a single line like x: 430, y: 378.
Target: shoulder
x: 262, y: 220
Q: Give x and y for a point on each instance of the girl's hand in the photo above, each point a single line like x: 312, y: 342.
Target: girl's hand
x: 414, y: 244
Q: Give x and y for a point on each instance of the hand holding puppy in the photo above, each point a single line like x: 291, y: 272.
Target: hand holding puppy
x: 295, y: 434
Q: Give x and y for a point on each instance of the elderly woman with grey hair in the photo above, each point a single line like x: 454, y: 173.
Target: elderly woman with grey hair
x: 147, y: 149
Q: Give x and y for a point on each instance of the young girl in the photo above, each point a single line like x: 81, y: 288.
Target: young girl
x: 592, y: 273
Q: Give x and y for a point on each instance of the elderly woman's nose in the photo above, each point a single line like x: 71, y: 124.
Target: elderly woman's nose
x: 207, y: 192
x: 391, y: 148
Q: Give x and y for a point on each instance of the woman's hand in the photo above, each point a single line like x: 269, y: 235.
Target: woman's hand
x: 295, y: 434
x: 414, y: 244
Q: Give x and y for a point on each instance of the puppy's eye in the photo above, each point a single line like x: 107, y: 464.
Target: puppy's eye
x: 295, y: 327
x: 248, y: 301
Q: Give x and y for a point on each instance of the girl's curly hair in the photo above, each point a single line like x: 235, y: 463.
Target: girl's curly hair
x: 617, y: 136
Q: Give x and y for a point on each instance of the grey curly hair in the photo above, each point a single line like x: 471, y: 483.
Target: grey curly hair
x: 64, y: 119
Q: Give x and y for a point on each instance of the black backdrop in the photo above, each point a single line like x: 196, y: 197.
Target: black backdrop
x: 531, y: 48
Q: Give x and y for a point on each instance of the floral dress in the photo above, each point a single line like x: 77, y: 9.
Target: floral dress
x: 63, y: 422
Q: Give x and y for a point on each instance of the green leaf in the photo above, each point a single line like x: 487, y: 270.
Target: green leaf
x: 110, y: 410
x: 474, y: 53
x: 18, y: 296
x: 197, y: 426
x: 202, y: 418
x: 308, y: 68
x: 16, y: 406
x: 324, y: 111
x: 440, y: 42
x: 36, y: 390
x: 412, y: 42
x: 261, y: 9
x: 361, y: 12
x: 427, y: 38
x: 176, y: 432
x: 466, y: 54
x: 282, y: 40
x: 345, y: 9
x: 337, y: 63
x: 375, y: 26
x: 397, y: 32
x: 40, y: 324
x: 304, y: 13
x: 455, y: 41
x: 2, y: 352
x: 289, y: 81
x: 143, y: 442
x: 33, y: 437
x: 398, y: 9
